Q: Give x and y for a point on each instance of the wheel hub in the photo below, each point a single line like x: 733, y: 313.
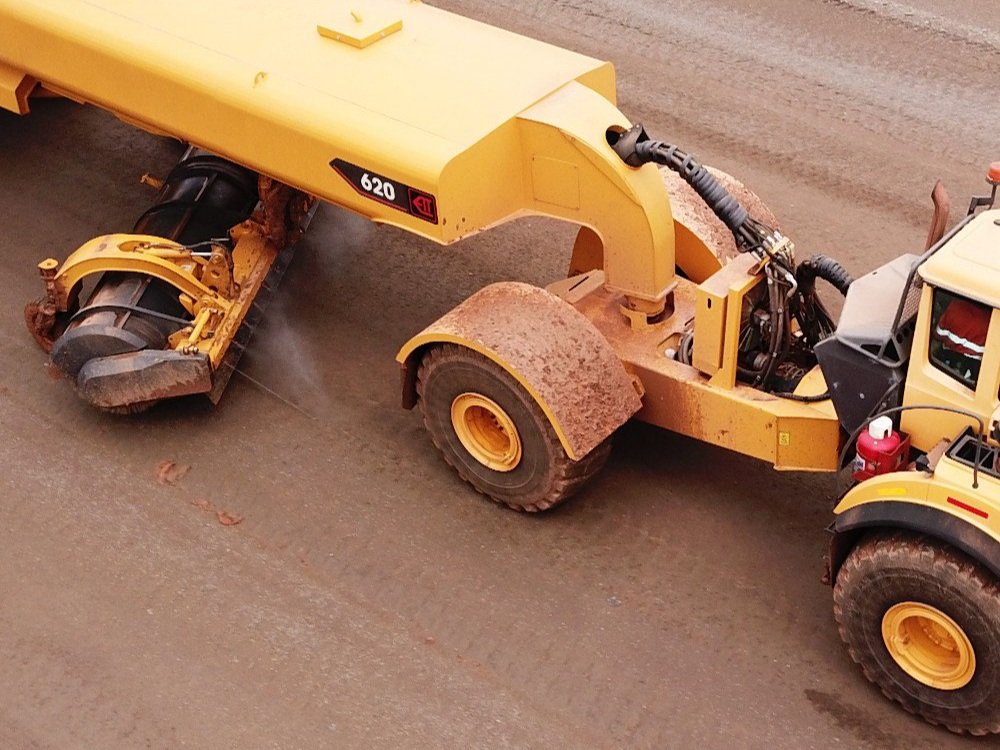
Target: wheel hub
x: 486, y: 431
x: 928, y: 645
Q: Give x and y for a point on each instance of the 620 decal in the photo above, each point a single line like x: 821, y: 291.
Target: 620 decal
x: 390, y: 192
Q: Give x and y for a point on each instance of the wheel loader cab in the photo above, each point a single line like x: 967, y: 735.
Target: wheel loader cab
x: 958, y: 332
x: 955, y: 356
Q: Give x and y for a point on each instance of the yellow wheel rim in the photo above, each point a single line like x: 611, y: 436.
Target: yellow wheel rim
x: 928, y: 645
x: 486, y: 431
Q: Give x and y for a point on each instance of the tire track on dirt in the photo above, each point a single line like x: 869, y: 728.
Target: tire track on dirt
x: 924, y: 21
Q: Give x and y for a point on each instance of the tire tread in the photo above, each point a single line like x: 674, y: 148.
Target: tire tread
x: 569, y: 476
x: 906, y: 550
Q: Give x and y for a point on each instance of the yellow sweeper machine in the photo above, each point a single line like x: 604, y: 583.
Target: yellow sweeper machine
x: 684, y: 306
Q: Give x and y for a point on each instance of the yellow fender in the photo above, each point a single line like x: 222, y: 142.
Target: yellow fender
x: 944, y: 505
x: 553, y: 351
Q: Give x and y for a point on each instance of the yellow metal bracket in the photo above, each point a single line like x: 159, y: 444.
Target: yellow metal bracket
x: 253, y: 257
x: 718, y: 318
x: 361, y: 28
x: 15, y: 87
x: 218, y: 306
x: 143, y: 254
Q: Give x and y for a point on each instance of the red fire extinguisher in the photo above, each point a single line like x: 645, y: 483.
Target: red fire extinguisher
x: 880, y: 450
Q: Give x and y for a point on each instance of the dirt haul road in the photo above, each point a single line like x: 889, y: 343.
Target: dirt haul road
x: 370, y: 599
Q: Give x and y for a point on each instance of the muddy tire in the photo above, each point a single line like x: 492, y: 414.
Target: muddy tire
x: 923, y: 621
x: 494, y: 434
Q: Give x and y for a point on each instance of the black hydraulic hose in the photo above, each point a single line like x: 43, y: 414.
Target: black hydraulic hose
x: 636, y: 148
x: 780, y: 331
x: 786, y: 289
x: 822, y: 267
x: 814, y: 320
x: 704, y: 183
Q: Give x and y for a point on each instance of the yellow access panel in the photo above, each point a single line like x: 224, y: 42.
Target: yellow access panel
x: 360, y: 103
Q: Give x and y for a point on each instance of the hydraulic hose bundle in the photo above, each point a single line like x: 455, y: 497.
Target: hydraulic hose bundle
x: 791, y: 291
x: 814, y: 320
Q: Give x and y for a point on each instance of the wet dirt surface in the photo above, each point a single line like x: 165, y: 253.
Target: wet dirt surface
x: 367, y: 598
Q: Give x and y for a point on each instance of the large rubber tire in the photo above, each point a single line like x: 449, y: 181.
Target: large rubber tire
x: 890, y: 569
x: 543, y: 476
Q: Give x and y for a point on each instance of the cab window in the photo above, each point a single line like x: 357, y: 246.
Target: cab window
x: 958, y: 336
